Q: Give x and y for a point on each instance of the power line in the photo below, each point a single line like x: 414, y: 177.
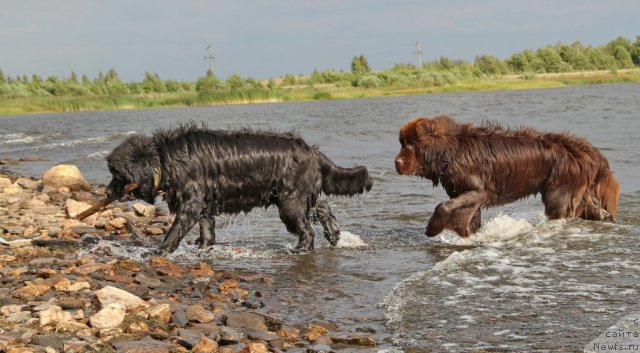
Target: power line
x: 418, y: 53
x: 210, y: 57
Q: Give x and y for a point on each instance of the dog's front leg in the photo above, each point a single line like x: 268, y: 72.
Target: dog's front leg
x: 460, y: 214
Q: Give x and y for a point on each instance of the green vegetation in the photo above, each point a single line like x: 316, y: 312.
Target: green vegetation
x: 551, y: 66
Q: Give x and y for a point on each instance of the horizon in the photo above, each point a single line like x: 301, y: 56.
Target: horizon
x: 262, y: 41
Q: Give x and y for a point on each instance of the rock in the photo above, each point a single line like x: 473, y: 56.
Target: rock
x: 12, y: 309
x: 202, y: 269
x: 110, y: 316
x: 70, y: 326
x: 12, y: 189
x: 166, y: 267
x: 22, y: 317
x: 28, y: 183
x: 71, y: 303
x: 160, y: 312
x: 112, y: 295
x: 74, y: 208
x: 153, y: 231
x: 53, y: 315
x: 197, y: 313
x: 65, y: 175
x: 257, y: 347
x: 116, y: 223
x: 229, y: 336
x: 188, y: 338
x: 75, y: 346
x: 146, y: 345
x: 143, y: 210
x: 245, y: 320
x: 179, y: 318
x: 259, y: 335
x: 31, y: 291
x: 138, y: 327
x: 313, y: 332
x: 150, y: 282
x: 55, y: 341
x: 4, y: 182
x: 354, y: 340
x: 205, y: 345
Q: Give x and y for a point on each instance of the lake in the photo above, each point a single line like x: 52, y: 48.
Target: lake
x: 522, y: 284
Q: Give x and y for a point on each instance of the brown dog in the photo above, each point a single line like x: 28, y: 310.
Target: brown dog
x: 487, y: 165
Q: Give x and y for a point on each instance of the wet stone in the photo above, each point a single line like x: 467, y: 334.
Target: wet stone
x: 197, y: 313
x: 146, y: 345
x: 230, y: 336
x: 179, y: 318
x: 205, y: 345
x: 188, y: 338
x: 245, y: 320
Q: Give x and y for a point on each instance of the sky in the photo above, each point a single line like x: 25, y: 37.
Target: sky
x: 271, y: 38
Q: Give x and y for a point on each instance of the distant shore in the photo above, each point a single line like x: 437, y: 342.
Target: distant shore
x: 33, y: 105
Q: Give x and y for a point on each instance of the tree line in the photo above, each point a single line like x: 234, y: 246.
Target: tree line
x: 620, y: 53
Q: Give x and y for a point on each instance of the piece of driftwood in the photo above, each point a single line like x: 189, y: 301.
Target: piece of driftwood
x: 105, y: 202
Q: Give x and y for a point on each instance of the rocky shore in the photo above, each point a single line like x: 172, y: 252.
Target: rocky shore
x: 64, y: 290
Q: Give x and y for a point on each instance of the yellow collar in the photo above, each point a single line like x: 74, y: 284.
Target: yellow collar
x: 157, y: 176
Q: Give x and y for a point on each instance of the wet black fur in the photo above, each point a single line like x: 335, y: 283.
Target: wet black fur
x: 209, y: 172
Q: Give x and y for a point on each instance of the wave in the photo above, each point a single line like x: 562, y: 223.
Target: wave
x: 518, y: 284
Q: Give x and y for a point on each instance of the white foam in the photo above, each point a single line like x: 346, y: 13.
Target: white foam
x: 497, y: 230
x: 350, y: 240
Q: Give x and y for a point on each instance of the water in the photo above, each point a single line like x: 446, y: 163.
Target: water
x: 522, y: 284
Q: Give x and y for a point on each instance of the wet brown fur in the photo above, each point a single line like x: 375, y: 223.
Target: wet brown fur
x: 487, y: 165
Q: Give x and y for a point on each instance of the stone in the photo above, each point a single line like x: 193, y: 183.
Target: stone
x: 4, y: 182
x: 70, y: 326
x: 71, y: 302
x: 257, y: 347
x: 229, y: 336
x: 65, y: 175
x: 160, y: 312
x: 12, y: 309
x: 53, y: 315
x: 197, y: 313
x: 116, y: 223
x: 143, y: 210
x: 202, y: 269
x: 112, y: 295
x: 205, y: 345
x: 146, y: 345
x: 31, y: 291
x: 28, y: 183
x: 188, y: 338
x: 12, y: 189
x: 354, y: 340
x: 138, y: 327
x: 313, y: 332
x: 109, y: 317
x: 146, y: 281
x: 74, y: 208
x: 22, y: 317
x: 179, y: 318
x: 153, y: 231
x: 245, y: 320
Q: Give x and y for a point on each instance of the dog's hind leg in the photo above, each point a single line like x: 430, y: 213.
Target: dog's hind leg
x: 207, y: 231
x: 293, y: 215
x: 322, y: 213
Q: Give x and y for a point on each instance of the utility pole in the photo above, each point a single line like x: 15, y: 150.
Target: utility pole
x: 418, y: 53
x: 210, y: 57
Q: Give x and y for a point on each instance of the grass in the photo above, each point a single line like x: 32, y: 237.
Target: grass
x: 15, y: 106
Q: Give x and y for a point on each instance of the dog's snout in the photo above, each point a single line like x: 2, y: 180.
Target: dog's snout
x: 399, y: 164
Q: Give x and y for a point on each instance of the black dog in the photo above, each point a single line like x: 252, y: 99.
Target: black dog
x: 204, y: 173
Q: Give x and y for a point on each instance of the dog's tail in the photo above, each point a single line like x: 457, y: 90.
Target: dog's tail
x: 343, y: 181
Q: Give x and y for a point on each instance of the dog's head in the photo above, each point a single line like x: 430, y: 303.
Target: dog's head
x: 420, y: 140
x: 134, y: 161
